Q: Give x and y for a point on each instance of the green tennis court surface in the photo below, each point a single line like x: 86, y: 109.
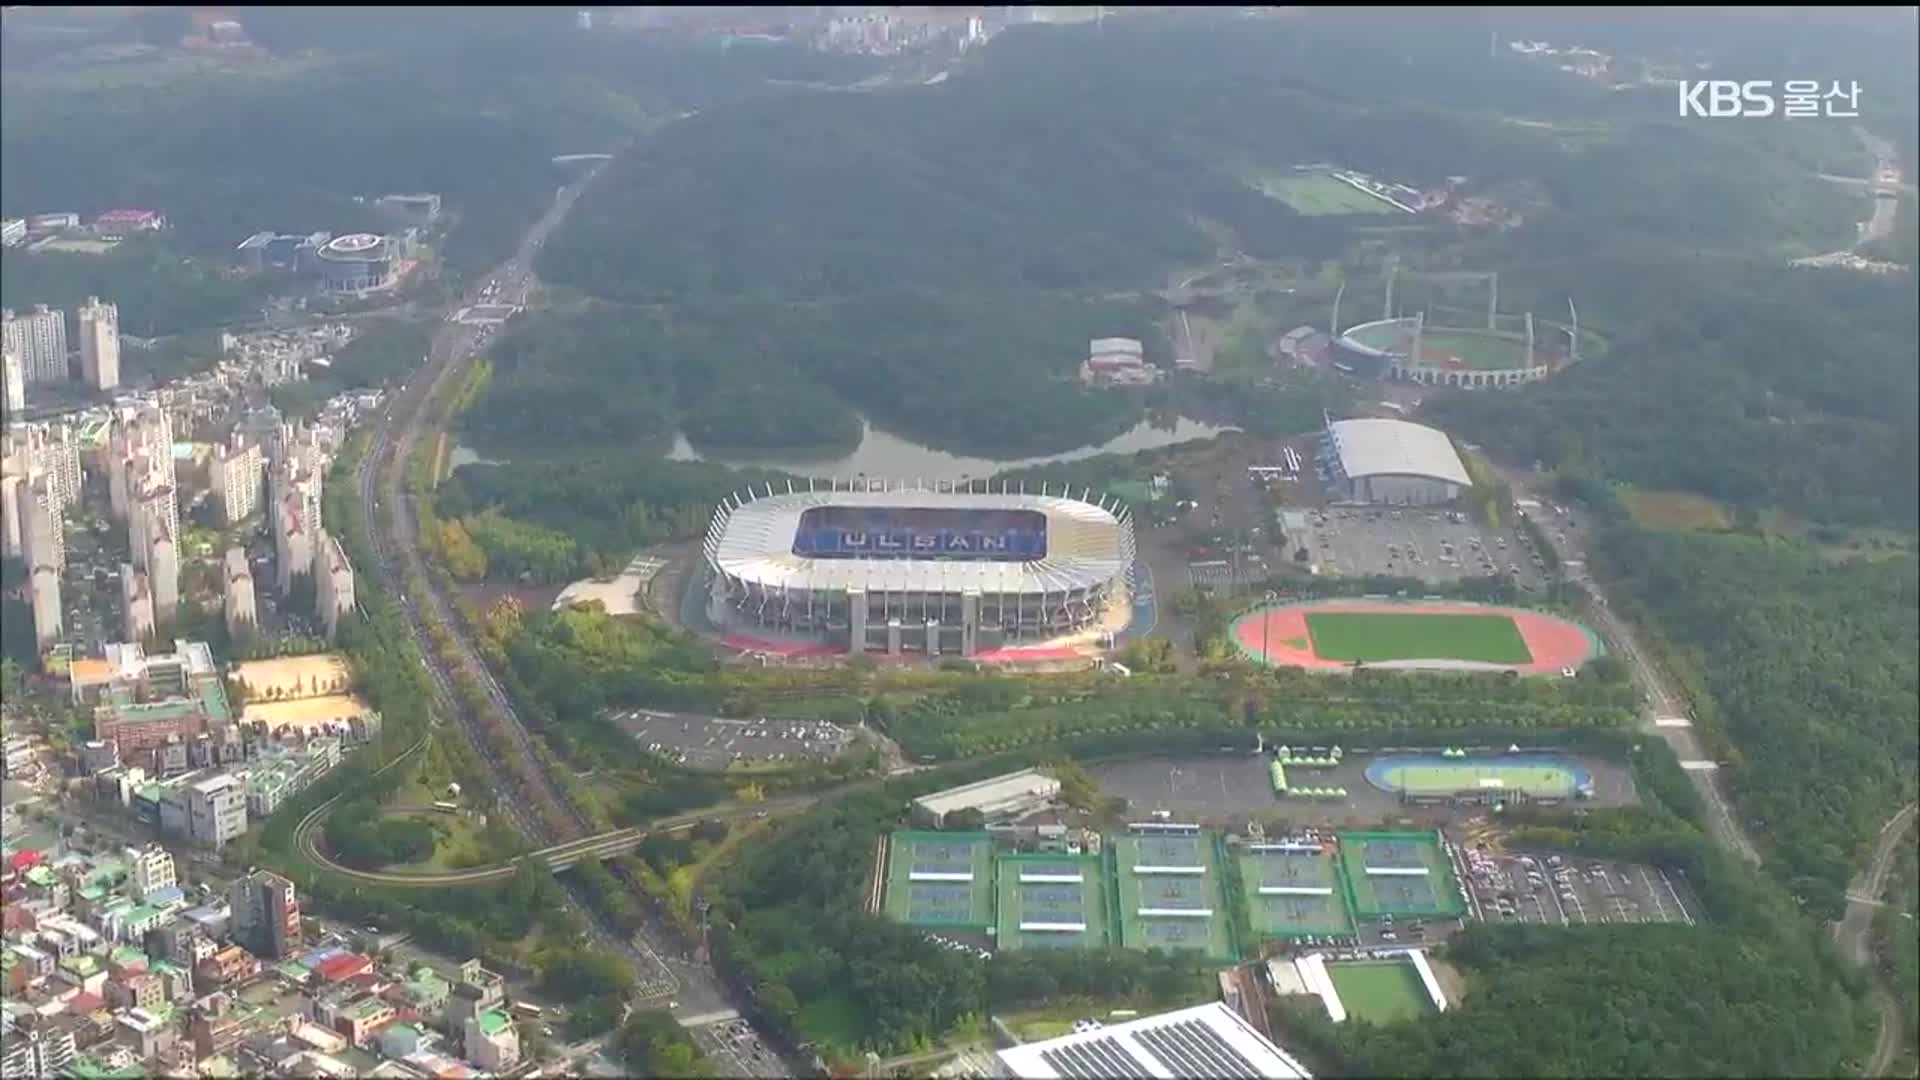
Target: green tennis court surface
x: 1054, y: 902
x: 1432, y: 892
x: 1376, y: 636
x: 955, y: 904
x: 1209, y: 933
x: 1293, y: 915
x: 1380, y: 991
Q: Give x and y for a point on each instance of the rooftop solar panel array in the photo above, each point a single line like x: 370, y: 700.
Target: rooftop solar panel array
x: 1095, y: 1058
x: 1193, y: 1049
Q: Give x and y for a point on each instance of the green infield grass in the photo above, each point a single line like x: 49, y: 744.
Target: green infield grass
x: 1375, y: 636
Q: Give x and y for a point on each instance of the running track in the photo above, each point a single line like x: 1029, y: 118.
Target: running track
x: 1553, y: 642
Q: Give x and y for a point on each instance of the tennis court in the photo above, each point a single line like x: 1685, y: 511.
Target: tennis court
x: 1380, y: 991
x: 940, y: 880
x: 1294, y: 914
x: 1179, y: 910
x: 1399, y: 874
x: 1040, y: 905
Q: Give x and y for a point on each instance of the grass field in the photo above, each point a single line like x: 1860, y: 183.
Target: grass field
x: 1380, y: 991
x: 1319, y: 195
x: 1480, y: 352
x: 1674, y: 510
x: 956, y: 905
x: 1376, y: 636
x: 1539, y: 781
x: 1058, y: 902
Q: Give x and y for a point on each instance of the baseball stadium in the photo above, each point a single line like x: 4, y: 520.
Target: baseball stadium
x: 1339, y: 634
x: 897, y: 568
x: 1506, y: 351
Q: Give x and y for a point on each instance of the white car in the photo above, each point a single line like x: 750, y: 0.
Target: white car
x: 1566, y: 673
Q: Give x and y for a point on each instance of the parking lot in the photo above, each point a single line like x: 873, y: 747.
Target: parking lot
x: 1427, y: 544
x: 1554, y: 889
x: 735, y: 1050
x: 705, y: 742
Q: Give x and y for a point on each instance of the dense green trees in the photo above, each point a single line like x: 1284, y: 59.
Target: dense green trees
x: 159, y: 290
x: 1811, y: 668
x: 358, y: 836
x: 606, y: 506
x: 1762, y: 387
x: 1604, y: 1001
x: 652, y: 1043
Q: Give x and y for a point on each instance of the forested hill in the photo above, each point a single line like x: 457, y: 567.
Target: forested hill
x: 354, y: 101
x: 1080, y: 158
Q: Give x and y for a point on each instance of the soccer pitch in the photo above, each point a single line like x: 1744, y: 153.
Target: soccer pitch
x: 1055, y: 901
x: 958, y: 903
x: 1380, y: 991
x: 1432, y: 893
x: 1294, y: 915
x: 1377, y: 636
x: 1319, y: 195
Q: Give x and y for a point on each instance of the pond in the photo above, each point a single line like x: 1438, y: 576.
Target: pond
x: 883, y: 454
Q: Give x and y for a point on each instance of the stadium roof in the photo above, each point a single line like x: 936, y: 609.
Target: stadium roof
x: 1085, y: 546
x: 1396, y: 448
x: 1203, y: 1041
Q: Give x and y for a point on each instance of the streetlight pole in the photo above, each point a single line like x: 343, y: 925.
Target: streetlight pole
x: 1266, y: 627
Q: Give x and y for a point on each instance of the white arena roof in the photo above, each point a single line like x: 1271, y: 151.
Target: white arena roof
x: 1396, y: 448
x: 1203, y: 1041
x: 1085, y: 546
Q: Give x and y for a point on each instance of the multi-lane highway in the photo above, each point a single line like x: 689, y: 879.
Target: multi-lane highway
x: 391, y: 525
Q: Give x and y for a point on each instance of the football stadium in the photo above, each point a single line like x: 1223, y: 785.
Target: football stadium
x: 899, y: 569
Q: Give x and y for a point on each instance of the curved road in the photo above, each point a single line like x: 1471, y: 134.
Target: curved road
x: 307, y: 839
x: 391, y: 527
x: 1855, y: 929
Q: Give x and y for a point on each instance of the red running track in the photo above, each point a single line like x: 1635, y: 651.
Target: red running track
x: 1553, y: 642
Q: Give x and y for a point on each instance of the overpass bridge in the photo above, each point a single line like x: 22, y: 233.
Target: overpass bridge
x: 607, y: 845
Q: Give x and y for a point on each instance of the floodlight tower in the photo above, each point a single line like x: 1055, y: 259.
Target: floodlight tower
x: 1529, y: 339
x: 1493, y: 299
x: 1573, y: 335
x: 1333, y: 327
x: 1393, y: 271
